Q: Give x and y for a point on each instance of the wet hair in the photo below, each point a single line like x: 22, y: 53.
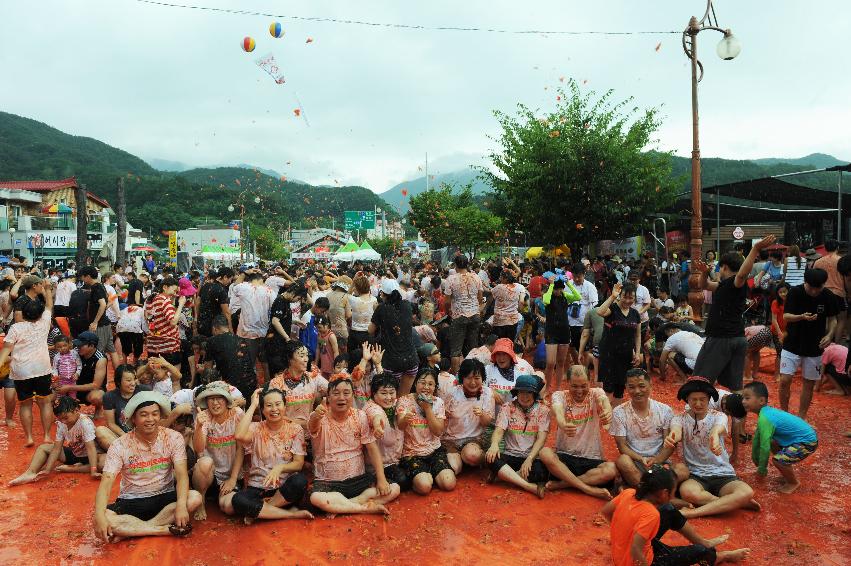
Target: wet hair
x: 253, y: 276
x: 343, y: 358
x: 491, y: 339
x: 758, y: 388
x: 638, y: 372
x: 654, y: 480
x: 361, y: 285
x: 776, y: 292
x: 322, y: 303
x: 224, y: 272
x: 578, y: 268
x: 733, y: 405
x: 321, y: 320
x: 219, y: 321
x: 33, y: 310
x: 334, y: 383
x: 88, y: 270
x: 831, y: 245
x: 65, y: 404
x: 421, y: 373
x: 61, y: 338
x: 628, y: 289
x: 292, y: 347
x: 470, y: 366
x: 461, y: 262
x: 121, y: 370
x: 168, y: 282
x: 577, y: 369
x: 385, y: 379
x: 733, y: 260
x: 815, y: 277
x: 269, y: 391
x: 210, y: 375
x: 844, y: 265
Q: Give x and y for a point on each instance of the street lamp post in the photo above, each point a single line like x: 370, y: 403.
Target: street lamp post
x: 231, y: 208
x: 12, y: 240
x: 727, y: 49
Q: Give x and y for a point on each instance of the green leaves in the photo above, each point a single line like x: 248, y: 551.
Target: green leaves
x: 451, y: 217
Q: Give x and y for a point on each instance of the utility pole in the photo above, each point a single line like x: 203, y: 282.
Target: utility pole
x: 82, y: 225
x: 121, y: 227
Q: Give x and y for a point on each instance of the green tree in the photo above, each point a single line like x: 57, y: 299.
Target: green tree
x: 269, y: 245
x: 581, y: 173
x: 385, y: 246
x: 448, y: 217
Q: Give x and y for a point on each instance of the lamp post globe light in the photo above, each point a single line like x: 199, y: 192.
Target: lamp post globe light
x: 12, y: 239
x: 728, y: 48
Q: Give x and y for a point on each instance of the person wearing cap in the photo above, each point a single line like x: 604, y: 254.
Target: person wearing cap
x: 577, y: 461
x: 339, y: 311
x: 712, y: 485
x: 523, y: 423
x: 501, y: 374
x: 341, y: 437
x: 470, y: 408
x: 393, y: 322
x: 639, y: 427
x: 463, y: 292
x: 25, y: 348
x: 255, y: 300
x: 680, y: 352
x: 217, y: 471
x: 154, y: 497
x: 274, y: 479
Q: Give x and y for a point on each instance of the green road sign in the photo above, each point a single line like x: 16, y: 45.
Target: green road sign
x: 359, y: 219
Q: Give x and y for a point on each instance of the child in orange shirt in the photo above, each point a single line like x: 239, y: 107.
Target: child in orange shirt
x: 640, y: 517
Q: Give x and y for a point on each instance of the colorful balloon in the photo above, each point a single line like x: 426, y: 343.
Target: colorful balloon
x: 248, y: 44
x: 276, y: 29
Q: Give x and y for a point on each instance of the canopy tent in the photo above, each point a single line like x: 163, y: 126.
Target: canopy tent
x: 351, y: 246
x: 344, y: 256
x: 364, y: 254
x: 365, y: 246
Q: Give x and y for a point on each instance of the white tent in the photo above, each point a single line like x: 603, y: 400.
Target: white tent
x: 344, y: 256
x: 366, y: 255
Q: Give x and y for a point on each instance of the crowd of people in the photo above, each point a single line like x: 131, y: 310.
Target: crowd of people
x: 279, y: 391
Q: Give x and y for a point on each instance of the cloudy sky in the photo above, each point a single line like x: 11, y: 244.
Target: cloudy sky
x: 174, y: 83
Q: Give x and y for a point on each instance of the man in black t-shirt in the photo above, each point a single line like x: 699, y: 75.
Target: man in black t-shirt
x: 213, y: 301
x: 135, y: 290
x: 722, y: 357
x: 280, y: 326
x: 231, y: 357
x: 810, y: 312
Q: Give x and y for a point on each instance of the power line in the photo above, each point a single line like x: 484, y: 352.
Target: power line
x: 403, y: 26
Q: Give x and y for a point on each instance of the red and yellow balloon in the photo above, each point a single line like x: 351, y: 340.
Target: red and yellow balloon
x: 248, y: 44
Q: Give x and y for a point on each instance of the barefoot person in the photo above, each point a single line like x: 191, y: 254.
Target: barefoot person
x: 523, y: 423
x: 91, y: 385
x: 214, y: 438
x: 577, y: 461
x: 302, y: 391
x: 781, y: 437
x: 31, y: 370
x: 640, y: 427
x: 339, y: 434
x: 469, y: 409
x: 712, y: 485
x: 422, y: 417
x: 154, y: 498
x: 639, y: 517
x: 381, y: 412
x: 75, y: 446
x: 276, y: 443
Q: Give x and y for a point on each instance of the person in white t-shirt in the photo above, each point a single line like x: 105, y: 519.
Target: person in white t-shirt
x: 680, y: 351
x: 470, y: 408
x: 640, y: 427
x: 578, y: 460
x: 712, y: 485
x: 75, y: 447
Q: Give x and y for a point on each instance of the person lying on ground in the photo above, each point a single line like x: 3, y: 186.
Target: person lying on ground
x: 712, y: 485
x: 75, y: 447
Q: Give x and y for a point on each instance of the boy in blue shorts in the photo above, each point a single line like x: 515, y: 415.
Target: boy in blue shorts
x: 781, y: 436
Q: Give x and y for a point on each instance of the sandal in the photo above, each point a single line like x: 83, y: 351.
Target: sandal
x: 180, y: 531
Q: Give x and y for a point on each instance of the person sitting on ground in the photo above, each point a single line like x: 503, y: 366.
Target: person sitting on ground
x: 161, y: 375
x: 712, y: 485
x: 577, y: 461
x: 680, y: 351
x: 640, y: 517
x: 422, y: 417
x: 114, y: 402
x: 469, y: 409
x: 154, y: 498
x: 504, y: 369
x: 75, y: 446
x: 834, y: 370
x: 523, y: 424
x: 780, y: 436
x: 381, y: 412
x: 303, y: 391
x: 217, y: 471
x: 362, y: 373
x: 683, y: 312
x: 274, y: 479
x: 340, y: 434
x: 26, y: 346
x: 640, y: 427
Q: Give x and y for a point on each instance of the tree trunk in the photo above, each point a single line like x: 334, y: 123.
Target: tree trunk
x: 82, y: 222
x: 121, y: 228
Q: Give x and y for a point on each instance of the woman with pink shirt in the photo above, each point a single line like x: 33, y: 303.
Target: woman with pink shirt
x: 381, y: 412
x: 422, y: 416
x: 339, y: 434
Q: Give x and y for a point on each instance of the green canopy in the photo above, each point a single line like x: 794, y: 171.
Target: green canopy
x: 351, y: 246
x: 365, y: 246
x: 219, y: 249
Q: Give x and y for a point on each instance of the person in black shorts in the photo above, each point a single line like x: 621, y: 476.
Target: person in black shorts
x: 620, y: 348
x: 556, y: 333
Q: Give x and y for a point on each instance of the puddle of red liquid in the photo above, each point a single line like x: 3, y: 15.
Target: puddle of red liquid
x: 50, y: 522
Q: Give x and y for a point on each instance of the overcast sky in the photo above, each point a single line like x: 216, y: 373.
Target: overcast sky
x: 174, y: 83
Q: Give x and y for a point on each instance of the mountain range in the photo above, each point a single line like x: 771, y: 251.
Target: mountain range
x: 166, y: 195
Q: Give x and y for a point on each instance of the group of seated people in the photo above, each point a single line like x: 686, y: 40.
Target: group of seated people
x: 351, y: 443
